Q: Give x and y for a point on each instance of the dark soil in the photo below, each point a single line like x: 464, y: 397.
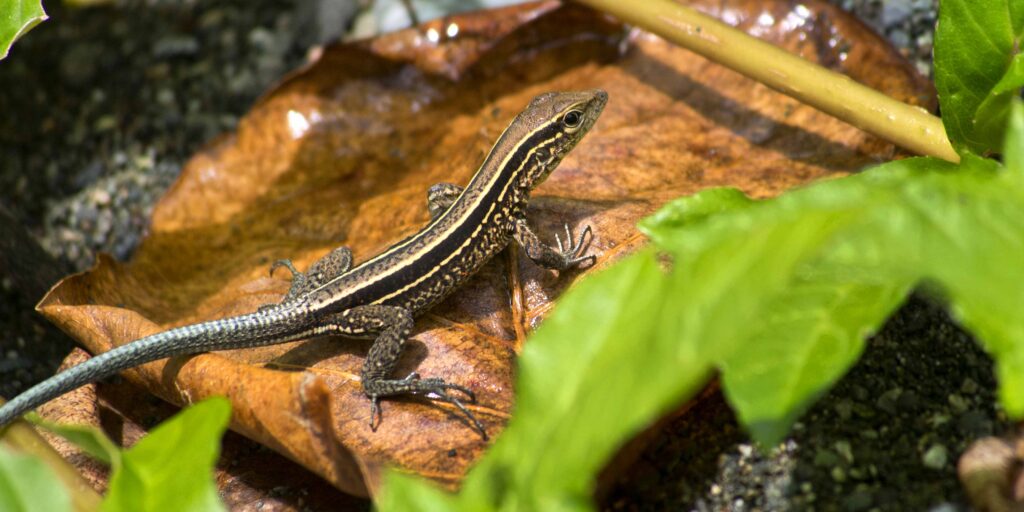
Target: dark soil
x: 101, y: 108
x: 886, y: 437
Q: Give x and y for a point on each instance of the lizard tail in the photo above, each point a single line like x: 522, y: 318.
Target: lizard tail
x: 265, y: 328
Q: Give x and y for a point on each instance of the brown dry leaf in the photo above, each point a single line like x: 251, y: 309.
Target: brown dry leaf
x: 342, y: 153
x: 248, y: 476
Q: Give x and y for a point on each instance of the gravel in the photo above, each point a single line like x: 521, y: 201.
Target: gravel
x: 101, y: 108
x: 117, y: 98
x: 908, y: 24
x: 886, y: 437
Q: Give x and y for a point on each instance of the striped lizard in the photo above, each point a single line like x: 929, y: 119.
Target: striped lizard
x: 379, y: 297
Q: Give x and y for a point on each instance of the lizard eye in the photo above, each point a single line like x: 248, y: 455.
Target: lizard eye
x: 572, y: 118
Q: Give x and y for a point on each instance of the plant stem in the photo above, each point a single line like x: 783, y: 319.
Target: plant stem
x: 836, y: 94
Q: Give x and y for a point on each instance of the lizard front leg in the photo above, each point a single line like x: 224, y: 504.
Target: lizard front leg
x: 567, y: 255
x: 392, y: 325
x: 332, y: 265
x: 440, y: 197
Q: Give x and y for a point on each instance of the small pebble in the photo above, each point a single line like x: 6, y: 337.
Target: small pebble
x: 908, y: 402
x: 935, y: 457
x: 958, y: 403
x: 857, y: 501
x: 844, y: 449
x: 974, y: 424
x: 175, y: 46
x: 844, y: 409
x: 826, y: 458
x: 887, y: 402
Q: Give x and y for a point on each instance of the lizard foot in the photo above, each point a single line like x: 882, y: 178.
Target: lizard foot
x: 572, y: 251
x: 432, y: 388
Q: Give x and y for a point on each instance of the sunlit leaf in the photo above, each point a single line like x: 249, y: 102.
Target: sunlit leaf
x: 16, y: 18
x: 171, y: 468
x: 978, y: 69
x: 27, y: 485
x: 90, y: 439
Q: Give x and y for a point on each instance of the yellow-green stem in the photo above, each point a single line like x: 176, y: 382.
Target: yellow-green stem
x: 908, y: 126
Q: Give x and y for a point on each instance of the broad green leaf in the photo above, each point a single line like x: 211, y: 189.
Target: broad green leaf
x: 1013, y: 146
x: 27, y: 485
x: 1013, y: 80
x: 16, y: 18
x: 90, y: 439
x: 896, y: 225
x: 978, y: 69
x: 885, y: 230
x: 172, y: 467
x: 662, y: 227
x: 778, y: 294
x: 791, y: 320
x: 976, y: 253
x: 804, y: 341
x: 603, y: 366
x: 407, y: 492
x: 735, y: 265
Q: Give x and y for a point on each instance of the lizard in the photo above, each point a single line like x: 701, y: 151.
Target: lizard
x: 380, y: 297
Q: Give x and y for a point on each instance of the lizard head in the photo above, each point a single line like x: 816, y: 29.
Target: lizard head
x: 551, y: 126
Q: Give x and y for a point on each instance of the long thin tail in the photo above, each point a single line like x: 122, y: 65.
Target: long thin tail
x: 268, y: 327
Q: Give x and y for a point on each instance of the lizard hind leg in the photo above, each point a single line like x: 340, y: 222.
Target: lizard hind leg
x: 330, y: 266
x: 392, y: 325
x: 440, y: 197
x: 327, y: 268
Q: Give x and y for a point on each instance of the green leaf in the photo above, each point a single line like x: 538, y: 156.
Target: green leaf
x: 27, y: 485
x: 976, y: 253
x: 604, y: 365
x: 1013, y: 146
x: 978, y: 69
x: 1013, y: 80
x: 16, y: 18
x: 662, y: 227
x: 804, y: 341
x: 406, y: 492
x: 794, y: 313
x: 884, y: 230
x: 171, y: 468
x: 778, y: 294
x: 90, y: 439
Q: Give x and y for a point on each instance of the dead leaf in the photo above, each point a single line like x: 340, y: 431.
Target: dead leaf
x: 248, y: 476
x: 342, y: 153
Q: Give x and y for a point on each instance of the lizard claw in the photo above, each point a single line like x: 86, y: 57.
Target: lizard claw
x: 375, y: 413
x: 286, y: 263
x: 433, y: 389
x: 438, y: 390
x: 572, y: 251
